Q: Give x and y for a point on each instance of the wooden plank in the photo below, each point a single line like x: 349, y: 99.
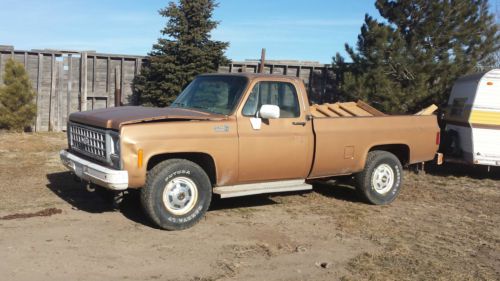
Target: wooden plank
x: 326, y: 111
x: 368, y: 108
x: 108, y: 74
x: 336, y: 108
x: 324, y: 76
x: 52, y: 91
x: 70, y: 87
x: 310, y: 82
x: 38, y: 121
x: 59, y: 95
x: 315, y: 112
x: 428, y: 110
x: 353, y: 109
x: 122, y: 63
x: 262, y: 60
x: 94, y: 60
x: 138, y: 65
x: 117, y: 96
x: 83, y: 77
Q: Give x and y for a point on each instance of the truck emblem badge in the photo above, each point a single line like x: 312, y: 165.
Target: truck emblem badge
x: 86, y: 141
x: 221, y: 128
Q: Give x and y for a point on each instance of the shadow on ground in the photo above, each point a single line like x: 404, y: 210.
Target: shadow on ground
x: 75, y: 193
x: 342, y: 189
x: 64, y: 185
x: 458, y: 170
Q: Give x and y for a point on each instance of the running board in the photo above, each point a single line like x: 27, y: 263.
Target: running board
x: 259, y: 188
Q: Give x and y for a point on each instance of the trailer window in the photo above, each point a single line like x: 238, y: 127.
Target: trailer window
x: 282, y: 94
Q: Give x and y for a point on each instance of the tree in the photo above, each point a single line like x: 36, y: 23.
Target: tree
x: 186, y: 52
x: 412, y: 58
x: 17, y: 108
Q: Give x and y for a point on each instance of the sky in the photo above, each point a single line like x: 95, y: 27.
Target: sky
x: 308, y: 30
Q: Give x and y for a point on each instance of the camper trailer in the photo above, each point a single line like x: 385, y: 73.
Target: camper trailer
x: 472, y: 120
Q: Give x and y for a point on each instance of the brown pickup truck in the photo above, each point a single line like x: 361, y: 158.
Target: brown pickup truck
x: 242, y: 134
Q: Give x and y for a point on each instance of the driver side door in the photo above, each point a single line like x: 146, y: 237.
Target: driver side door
x: 281, y: 148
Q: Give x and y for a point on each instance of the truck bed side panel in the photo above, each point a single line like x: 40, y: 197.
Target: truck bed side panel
x: 343, y: 143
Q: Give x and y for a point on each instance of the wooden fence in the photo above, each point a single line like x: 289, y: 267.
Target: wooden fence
x: 318, y: 78
x: 67, y: 82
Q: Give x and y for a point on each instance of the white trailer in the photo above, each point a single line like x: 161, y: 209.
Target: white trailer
x: 472, y: 119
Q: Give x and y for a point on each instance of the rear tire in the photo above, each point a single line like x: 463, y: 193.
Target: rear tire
x: 381, y: 180
x: 177, y: 194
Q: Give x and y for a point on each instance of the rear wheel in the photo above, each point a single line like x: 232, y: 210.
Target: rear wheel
x: 380, y: 182
x: 177, y: 194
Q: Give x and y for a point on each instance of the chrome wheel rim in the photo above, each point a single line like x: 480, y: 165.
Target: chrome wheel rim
x: 180, y: 195
x: 383, y: 179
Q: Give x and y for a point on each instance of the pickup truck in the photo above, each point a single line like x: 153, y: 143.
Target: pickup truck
x: 242, y: 134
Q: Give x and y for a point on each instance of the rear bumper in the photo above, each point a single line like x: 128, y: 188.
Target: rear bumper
x: 488, y: 161
x: 95, y: 173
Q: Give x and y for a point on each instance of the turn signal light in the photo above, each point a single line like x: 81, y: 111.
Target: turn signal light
x: 139, y: 158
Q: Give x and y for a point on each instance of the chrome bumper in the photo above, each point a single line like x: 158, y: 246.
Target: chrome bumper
x: 95, y: 173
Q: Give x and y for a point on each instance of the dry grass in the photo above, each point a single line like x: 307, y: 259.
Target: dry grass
x: 444, y: 226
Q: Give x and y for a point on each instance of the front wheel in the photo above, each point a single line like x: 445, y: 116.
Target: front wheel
x: 177, y: 194
x: 380, y: 182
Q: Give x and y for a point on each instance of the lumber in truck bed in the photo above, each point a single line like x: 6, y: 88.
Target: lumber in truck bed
x: 354, y: 109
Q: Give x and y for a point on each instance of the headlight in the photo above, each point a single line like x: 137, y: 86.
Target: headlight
x: 114, y: 150
x: 115, y: 144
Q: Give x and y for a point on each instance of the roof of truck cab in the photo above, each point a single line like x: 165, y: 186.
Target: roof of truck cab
x: 251, y: 75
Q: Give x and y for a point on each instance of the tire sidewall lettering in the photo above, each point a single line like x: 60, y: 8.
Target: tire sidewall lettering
x: 198, y: 208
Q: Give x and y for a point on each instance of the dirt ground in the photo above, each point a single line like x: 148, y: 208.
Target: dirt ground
x: 445, y: 225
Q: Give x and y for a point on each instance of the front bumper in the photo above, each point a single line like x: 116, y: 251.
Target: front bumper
x: 95, y: 173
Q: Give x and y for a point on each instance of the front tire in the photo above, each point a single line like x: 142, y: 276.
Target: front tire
x: 177, y: 194
x: 381, y: 180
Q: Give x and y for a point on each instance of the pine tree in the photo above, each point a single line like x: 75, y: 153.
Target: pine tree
x: 17, y: 108
x: 412, y: 59
x: 186, y: 52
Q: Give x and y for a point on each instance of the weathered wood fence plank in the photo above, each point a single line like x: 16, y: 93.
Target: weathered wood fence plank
x: 61, y: 80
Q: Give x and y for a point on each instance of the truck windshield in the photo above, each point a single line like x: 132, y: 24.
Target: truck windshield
x: 214, y: 94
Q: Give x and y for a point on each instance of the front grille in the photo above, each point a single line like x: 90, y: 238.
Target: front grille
x: 87, y: 140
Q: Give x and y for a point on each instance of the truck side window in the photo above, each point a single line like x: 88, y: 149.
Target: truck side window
x: 281, y: 94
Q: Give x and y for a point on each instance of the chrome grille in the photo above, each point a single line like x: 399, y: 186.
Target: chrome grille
x: 87, y: 140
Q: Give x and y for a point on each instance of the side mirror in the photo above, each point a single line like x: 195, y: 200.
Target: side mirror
x: 269, y: 111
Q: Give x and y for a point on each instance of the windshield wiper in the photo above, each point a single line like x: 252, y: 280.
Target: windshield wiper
x: 179, y: 103
x: 200, y: 107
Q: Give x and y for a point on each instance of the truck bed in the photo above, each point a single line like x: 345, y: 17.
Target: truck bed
x: 343, y: 143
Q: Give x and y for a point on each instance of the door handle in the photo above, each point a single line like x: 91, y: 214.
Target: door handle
x: 299, y: 123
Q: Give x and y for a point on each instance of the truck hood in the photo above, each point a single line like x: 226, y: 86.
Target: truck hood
x: 115, y: 117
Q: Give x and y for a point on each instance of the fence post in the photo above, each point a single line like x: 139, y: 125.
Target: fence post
x: 118, y: 82
x: 83, y: 77
x: 70, y: 86
x: 38, y: 121
x: 52, y: 91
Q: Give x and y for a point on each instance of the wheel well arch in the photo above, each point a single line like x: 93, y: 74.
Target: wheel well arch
x: 402, y: 151
x: 204, y: 160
